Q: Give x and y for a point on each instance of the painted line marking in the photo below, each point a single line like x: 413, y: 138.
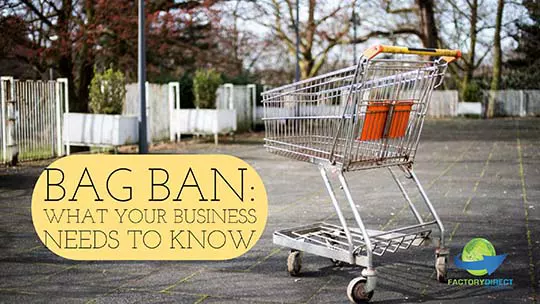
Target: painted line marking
x: 273, y: 252
x: 201, y: 299
x: 53, y: 274
x: 167, y: 290
x: 466, y: 206
x: 432, y: 182
x: 122, y: 285
x: 525, y: 201
x: 17, y: 291
x: 486, y: 164
x: 319, y: 290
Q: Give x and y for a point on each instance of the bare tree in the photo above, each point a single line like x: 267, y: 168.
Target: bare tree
x: 240, y: 47
x: 405, y: 19
x: 325, y: 27
x: 462, y: 24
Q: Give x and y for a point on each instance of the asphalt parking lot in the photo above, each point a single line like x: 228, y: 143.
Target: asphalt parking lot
x: 482, y: 176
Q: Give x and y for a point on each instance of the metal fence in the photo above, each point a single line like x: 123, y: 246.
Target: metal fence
x: 514, y: 102
x: 31, y: 118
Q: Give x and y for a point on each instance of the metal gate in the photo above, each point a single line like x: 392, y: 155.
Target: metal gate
x: 31, y: 119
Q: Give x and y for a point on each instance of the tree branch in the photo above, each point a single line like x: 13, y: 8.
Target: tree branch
x: 34, y: 9
x: 402, y: 31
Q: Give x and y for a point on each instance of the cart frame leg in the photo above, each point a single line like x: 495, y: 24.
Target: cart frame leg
x: 358, y: 219
x: 406, y: 197
x: 430, y: 207
x: 441, y: 253
x: 342, y: 220
x: 369, y: 272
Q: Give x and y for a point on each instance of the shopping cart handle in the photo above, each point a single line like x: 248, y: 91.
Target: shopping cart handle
x: 448, y: 55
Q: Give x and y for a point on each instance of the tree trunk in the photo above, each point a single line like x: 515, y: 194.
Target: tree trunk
x: 497, y: 59
x: 469, y: 63
x: 86, y: 73
x: 86, y: 65
x: 428, y: 27
x: 307, y: 61
x: 65, y: 62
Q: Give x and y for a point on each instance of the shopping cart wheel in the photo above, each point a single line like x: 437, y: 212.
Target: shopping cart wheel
x: 356, y: 291
x: 294, y: 262
x: 441, y: 268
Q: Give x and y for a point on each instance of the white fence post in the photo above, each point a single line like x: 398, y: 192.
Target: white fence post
x: 8, y: 118
x: 58, y: 120
x: 3, y: 80
x: 63, y: 92
x: 253, y: 89
x: 174, y: 104
x: 229, y: 99
x: 522, y: 110
x: 230, y: 104
x: 7, y: 132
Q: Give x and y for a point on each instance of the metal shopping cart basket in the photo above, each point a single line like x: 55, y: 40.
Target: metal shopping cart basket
x: 366, y: 116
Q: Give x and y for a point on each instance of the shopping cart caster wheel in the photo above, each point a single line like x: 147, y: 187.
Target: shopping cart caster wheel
x: 441, y: 268
x: 294, y: 262
x: 356, y: 291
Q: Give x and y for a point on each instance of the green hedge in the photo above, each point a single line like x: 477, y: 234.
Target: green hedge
x: 205, y: 85
x: 107, y: 92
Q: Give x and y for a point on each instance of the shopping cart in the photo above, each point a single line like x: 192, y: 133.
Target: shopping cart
x: 369, y: 115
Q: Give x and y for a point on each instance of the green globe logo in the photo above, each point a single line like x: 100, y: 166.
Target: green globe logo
x: 475, y: 250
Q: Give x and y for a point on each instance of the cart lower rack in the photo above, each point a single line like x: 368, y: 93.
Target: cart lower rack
x: 333, y: 239
x: 366, y: 116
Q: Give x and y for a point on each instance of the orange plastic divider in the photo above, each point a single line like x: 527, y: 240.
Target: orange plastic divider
x: 376, y: 116
x: 375, y: 119
x: 400, y: 119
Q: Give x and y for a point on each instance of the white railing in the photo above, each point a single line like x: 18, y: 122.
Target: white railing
x: 31, y: 119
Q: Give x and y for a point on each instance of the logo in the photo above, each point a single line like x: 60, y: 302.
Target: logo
x: 479, y: 259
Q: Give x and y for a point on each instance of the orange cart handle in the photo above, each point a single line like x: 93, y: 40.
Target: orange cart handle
x: 448, y: 55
